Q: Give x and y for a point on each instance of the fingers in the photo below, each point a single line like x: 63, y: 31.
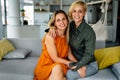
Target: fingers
x: 52, y: 32
x: 73, y: 67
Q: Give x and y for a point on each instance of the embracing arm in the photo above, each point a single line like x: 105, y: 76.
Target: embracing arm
x: 51, y: 47
x: 70, y: 56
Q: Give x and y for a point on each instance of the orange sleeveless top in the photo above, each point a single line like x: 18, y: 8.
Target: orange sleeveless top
x: 45, y: 63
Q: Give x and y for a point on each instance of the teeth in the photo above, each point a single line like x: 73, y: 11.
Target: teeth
x: 62, y: 25
x: 76, y: 17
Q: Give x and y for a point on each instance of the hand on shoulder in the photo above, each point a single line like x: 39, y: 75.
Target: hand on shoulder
x: 53, y: 32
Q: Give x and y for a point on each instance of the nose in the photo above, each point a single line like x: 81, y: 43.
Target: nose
x: 61, y: 21
x: 77, y: 12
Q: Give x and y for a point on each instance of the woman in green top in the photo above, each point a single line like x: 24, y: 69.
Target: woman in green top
x: 82, y: 41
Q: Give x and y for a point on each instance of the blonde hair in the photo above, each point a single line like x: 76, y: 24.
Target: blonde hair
x: 52, y: 21
x: 79, y: 3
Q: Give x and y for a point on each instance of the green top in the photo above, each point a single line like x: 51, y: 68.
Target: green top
x: 82, y: 42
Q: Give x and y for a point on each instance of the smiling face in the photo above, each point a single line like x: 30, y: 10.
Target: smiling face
x: 78, y: 13
x: 60, y: 21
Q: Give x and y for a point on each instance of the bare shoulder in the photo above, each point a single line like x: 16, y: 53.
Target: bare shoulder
x: 49, y: 39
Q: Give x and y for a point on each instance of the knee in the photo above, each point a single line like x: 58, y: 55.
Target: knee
x: 57, y: 68
x: 91, y: 70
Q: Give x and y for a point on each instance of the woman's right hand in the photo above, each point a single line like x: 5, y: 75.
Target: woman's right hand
x: 52, y: 32
x: 82, y: 71
x: 73, y: 67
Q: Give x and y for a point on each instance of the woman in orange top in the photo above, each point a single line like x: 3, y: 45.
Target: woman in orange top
x: 56, y: 54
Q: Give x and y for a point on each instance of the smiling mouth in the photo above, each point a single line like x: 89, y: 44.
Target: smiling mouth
x: 77, y: 17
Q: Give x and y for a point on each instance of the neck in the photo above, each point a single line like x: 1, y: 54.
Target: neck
x: 61, y: 33
x: 77, y: 24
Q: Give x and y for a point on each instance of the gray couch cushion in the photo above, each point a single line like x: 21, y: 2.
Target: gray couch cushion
x: 33, y: 44
x: 116, y: 70
x: 18, y: 69
x: 104, y: 74
x: 18, y: 53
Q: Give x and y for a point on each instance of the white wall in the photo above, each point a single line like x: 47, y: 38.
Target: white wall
x: 23, y: 31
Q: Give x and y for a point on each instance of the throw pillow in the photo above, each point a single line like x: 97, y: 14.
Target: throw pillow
x: 5, y: 47
x: 116, y: 69
x: 107, y: 56
x: 18, y: 53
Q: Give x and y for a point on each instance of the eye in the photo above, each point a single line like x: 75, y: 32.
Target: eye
x: 64, y: 19
x: 80, y: 11
x: 57, y: 20
x: 74, y: 11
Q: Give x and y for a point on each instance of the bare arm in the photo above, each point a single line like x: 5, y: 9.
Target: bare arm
x: 50, y: 44
x: 70, y: 56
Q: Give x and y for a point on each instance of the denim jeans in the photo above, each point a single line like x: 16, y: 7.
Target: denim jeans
x: 91, y: 69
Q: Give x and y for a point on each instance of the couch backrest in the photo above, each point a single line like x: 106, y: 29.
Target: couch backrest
x: 100, y: 44
x: 33, y: 44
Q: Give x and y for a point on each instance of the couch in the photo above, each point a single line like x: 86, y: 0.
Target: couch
x: 22, y: 69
